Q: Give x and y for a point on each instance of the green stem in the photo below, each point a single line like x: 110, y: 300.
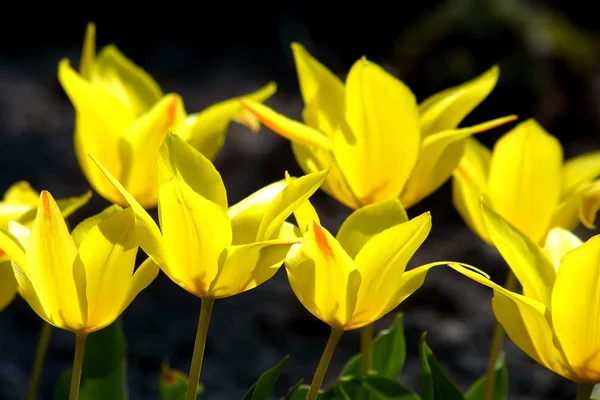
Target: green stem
x: 38, y: 361
x: 201, y: 334
x: 584, y: 391
x: 366, y: 348
x: 80, y: 339
x: 496, y: 347
x: 334, y: 338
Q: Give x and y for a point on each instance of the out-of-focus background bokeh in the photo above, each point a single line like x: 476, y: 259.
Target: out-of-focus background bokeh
x: 548, y: 56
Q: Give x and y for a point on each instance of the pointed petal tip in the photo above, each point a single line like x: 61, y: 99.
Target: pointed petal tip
x: 46, y: 196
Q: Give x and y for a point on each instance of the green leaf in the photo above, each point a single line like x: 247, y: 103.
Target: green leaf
x: 435, y: 383
x: 379, y: 388
x: 263, y: 387
x: 300, y: 392
x: 389, y: 353
x: 389, y: 350
x: 104, y: 367
x: 298, y: 387
x: 173, y: 383
x: 477, y: 390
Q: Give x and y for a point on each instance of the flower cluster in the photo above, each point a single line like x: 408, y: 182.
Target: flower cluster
x: 367, y: 143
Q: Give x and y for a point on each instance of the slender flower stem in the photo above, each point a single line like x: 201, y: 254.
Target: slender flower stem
x: 366, y: 348
x: 80, y: 339
x: 203, y: 322
x: 584, y: 391
x: 38, y: 361
x: 496, y: 347
x: 334, y: 338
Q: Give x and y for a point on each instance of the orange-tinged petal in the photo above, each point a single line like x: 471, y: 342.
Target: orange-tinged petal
x: 380, y: 149
x: 575, y: 309
x: 525, y: 178
x: 323, y: 277
x: 288, y: 128
x: 48, y: 265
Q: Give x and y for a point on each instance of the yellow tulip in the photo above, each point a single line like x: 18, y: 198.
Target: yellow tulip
x: 555, y: 320
x: 19, y: 204
x: 209, y: 249
x: 82, y: 281
x: 122, y: 117
x: 379, y: 142
x: 526, y: 182
x: 357, y: 277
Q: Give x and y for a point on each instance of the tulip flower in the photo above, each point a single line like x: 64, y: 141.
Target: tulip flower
x: 554, y: 320
x: 208, y: 248
x: 357, y: 277
x: 82, y: 281
x: 379, y: 142
x: 19, y: 204
x: 526, y: 181
x: 122, y: 117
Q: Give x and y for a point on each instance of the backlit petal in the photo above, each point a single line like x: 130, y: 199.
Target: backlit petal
x: 195, y: 233
x: 49, y: 266
x: 558, y: 243
x: 208, y: 128
x: 108, y: 254
x: 246, y: 266
x: 526, y: 259
x: 581, y: 169
x: 323, y: 277
x: 526, y: 322
x: 525, y: 178
x: 179, y: 159
x: 305, y: 213
x: 379, y: 151
x: 440, y: 155
x: 143, y: 276
x: 446, y: 109
x: 287, y: 201
x: 382, y: 261
x: 368, y: 221
x: 83, y: 228
x: 590, y: 204
x: 576, y: 307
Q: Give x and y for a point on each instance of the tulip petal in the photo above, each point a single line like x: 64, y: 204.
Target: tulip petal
x: 148, y: 234
x: 290, y: 232
x: 88, y: 51
x: 246, y: 266
x: 446, y: 109
x: 382, y: 262
x: 107, y: 254
x: 288, y: 128
x: 100, y: 121
x: 558, y: 243
x: 319, y: 272
x: 21, y: 193
x: 525, y: 178
x: 379, y: 151
x: 576, y: 306
x: 287, y: 201
x: 305, y: 214
x: 83, y: 228
x: 526, y: 322
x: 590, y: 204
x: 322, y: 92
x: 49, y: 266
x: 67, y: 207
x: 29, y: 293
x: 8, y: 284
x: 143, y: 276
x: 581, y: 169
x: 179, y: 159
x: 208, y: 128
x: 526, y: 259
x: 469, y: 183
x: 12, y: 246
x: 140, y: 145
x: 247, y: 215
x: 368, y: 221
x: 195, y: 233
x: 440, y: 155
x: 335, y: 185
x: 118, y: 75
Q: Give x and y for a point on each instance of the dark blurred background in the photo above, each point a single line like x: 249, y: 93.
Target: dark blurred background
x: 210, y: 51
